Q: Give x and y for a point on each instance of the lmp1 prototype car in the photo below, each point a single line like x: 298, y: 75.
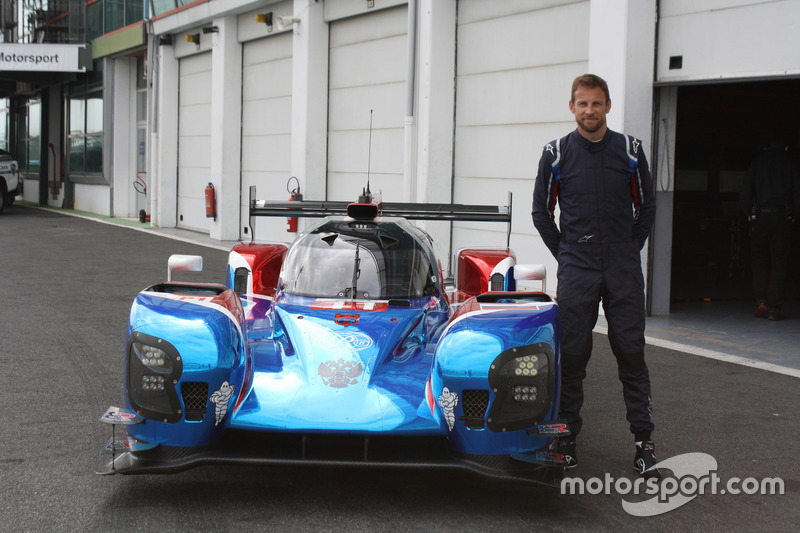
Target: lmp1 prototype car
x: 345, y: 348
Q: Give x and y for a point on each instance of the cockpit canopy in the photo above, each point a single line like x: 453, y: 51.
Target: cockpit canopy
x: 340, y: 258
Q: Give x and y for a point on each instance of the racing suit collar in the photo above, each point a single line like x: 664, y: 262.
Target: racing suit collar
x: 589, y: 145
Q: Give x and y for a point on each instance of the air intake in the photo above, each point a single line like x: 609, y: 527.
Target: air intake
x: 474, y: 402
x: 195, y: 399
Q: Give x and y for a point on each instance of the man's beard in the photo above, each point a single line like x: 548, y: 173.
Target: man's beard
x: 598, y: 125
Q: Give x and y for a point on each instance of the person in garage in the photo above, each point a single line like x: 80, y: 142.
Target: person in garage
x: 770, y: 198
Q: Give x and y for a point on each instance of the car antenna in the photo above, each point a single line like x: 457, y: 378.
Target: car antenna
x: 366, y: 194
x: 356, y: 274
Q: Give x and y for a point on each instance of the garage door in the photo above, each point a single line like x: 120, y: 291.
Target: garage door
x: 515, y: 65
x: 194, y: 140
x: 267, y: 126
x: 367, y: 73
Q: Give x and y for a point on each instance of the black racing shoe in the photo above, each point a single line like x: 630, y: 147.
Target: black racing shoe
x: 645, y: 460
x: 566, y: 447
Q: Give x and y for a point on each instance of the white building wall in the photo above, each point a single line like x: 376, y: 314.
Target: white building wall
x: 92, y: 199
x: 310, y: 100
x: 163, y: 174
x: 727, y: 39
x: 434, y: 110
x: 516, y: 63
x: 267, y: 126
x: 367, y: 83
x: 123, y: 161
x: 195, y: 117
x: 226, y: 127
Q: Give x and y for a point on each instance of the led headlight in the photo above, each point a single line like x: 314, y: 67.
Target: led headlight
x: 525, y: 393
x: 522, y: 380
x: 153, y: 357
x: 526, y: 365
x: 153, y: 369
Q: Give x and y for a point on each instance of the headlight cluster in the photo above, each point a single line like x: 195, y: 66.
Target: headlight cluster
x: 526, y: 365
x: 522, y: 379
x: 153, y: 369
x: 525, y: 393
x: 153, y: 357
x: 154, y: 383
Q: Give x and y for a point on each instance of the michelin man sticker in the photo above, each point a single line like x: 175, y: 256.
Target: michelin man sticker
x: 448, y: 401
x: 221, y: 398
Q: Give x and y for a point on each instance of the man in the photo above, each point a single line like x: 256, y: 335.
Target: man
x: 602, y: 183
x: 770, y: 198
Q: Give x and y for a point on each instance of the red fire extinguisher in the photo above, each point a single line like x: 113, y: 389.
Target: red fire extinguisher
x: 291, y: 222
x: 211, y: 202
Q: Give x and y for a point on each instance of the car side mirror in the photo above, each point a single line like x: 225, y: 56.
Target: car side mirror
x: 186, y: 263
x: 531, y: 273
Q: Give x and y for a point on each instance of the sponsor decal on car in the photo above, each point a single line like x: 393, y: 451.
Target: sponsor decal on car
x: 221, y: 398
x: 340, y: 374
x: 350, y: 305
x: 448, y: 401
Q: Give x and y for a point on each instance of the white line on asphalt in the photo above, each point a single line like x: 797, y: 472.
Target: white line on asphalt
x: 711, y: 354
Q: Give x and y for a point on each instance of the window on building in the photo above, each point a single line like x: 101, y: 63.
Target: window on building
x: 105, y: 16
x: 85, y: 124
x: 4, y: 124
x: 162, y: 6
x: 29, y: 123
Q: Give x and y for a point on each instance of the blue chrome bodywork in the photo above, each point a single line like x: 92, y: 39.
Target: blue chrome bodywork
x: 359, y: 339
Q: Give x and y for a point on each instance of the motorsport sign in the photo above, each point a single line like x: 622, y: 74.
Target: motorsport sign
x: 42, y: 57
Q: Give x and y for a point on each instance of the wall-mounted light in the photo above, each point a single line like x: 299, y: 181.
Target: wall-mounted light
x: 165, y: 41
x: 370, y: 4
x: 265, y: 18
x: 210, y: 29
x: 287, y: 22
x: 193, y: 38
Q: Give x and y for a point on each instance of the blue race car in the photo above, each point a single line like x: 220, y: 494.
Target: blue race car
x: 345, y: 348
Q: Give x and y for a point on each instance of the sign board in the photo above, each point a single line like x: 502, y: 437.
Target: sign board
x: 42, y: 57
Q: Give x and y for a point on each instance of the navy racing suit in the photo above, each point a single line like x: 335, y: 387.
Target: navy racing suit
x: 607, y: 208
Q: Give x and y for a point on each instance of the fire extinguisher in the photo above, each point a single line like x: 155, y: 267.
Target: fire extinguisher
x: 291, y: 222
x: 211, y: 202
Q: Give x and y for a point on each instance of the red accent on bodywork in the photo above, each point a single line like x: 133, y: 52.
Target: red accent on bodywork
x: 346, y: 320
x: 467, y: 307
x: 349, y: 305
x: 265, y: 261
x: 475, y: 267
x: 230, y: 301
x: 429, y: 394
x: 227, y: 299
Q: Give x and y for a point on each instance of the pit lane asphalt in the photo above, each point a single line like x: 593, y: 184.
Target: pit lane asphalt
x: 66, y: 285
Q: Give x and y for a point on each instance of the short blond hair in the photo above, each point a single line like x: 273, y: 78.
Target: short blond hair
x: 589, y: 80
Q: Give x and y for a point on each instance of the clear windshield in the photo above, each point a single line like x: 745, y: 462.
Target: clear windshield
x: 341, y: 259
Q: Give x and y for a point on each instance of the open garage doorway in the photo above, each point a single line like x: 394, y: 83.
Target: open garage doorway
x: 719, y: 129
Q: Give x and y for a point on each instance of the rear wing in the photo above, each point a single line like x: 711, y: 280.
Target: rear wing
x: 410, y: 211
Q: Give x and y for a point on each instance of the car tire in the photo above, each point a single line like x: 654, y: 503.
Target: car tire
x: 3, y: 196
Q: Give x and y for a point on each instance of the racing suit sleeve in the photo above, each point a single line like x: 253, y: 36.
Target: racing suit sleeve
x: 646, y: 202
x: 545, y: 197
